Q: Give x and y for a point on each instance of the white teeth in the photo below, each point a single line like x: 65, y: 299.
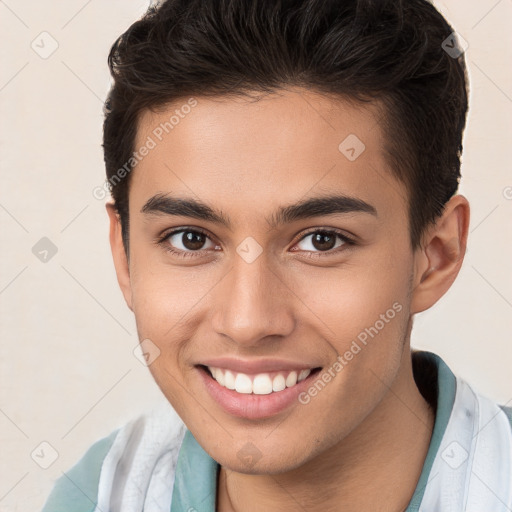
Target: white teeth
x: 302, y: 375
x: 229, y: 380
x: 219, y: 377
x: 279, y: 383
x: 243, y: 384
x: 291, y: 380
x: 261, y: 384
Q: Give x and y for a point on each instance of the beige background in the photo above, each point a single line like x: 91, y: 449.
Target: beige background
x: 68, y: 374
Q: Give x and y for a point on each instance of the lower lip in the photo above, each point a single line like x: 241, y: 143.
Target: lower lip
x: 251, y: 406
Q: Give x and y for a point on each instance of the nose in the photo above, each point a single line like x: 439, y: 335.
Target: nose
x: 253, y: 304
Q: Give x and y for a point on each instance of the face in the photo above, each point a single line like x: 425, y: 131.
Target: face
x: 265, y: 240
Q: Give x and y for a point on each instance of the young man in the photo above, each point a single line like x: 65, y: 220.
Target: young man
x: 284, y: 178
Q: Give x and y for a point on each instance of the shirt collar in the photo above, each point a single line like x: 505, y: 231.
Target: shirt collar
x: 446, y: 388
x: 195, y: 482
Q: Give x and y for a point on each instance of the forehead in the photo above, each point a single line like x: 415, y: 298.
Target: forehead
x: 254, y: 153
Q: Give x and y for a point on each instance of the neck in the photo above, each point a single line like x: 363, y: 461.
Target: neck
x: 378, y: 465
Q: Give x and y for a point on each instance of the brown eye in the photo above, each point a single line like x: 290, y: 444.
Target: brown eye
x: 188, y: 240
x: 192, y: 240
x: 323, y: 241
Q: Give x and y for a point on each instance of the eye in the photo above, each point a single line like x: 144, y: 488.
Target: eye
x: 323, y: 240
x: 185, y: 242
x: 192, y: 242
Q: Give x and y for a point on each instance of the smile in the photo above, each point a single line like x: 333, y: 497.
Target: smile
x: 258, y: 384
x: 256, y: 389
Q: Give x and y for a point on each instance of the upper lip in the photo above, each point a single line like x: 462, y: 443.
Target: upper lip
x: 256, y: 366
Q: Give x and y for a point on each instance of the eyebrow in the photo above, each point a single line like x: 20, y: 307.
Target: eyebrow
x: 166, y: 204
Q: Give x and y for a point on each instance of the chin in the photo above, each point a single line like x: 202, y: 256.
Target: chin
x: 250, y: 460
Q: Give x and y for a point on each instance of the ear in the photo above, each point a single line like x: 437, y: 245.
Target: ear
x: 440, y: 256
x: 119, y: 254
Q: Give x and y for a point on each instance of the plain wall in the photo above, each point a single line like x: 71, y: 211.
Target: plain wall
x: 68, y: 374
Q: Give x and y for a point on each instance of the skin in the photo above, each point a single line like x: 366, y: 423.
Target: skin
x: 361, y: 442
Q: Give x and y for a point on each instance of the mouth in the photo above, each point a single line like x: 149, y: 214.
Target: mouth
x: 256, y: 395
x: 260, y: 383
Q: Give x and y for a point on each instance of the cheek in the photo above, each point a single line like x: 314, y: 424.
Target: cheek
x: 165, y: 305
x: 164, y: 296
x: 361, y: 311
x: 170, y: 306
x: 343, y: 301
x: 374, y: 304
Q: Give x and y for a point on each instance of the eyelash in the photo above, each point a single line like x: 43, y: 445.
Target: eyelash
x: 192, y: 254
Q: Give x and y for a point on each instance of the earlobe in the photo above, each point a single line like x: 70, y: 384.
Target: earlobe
x: 438, y: 261
x: 118, y: 253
